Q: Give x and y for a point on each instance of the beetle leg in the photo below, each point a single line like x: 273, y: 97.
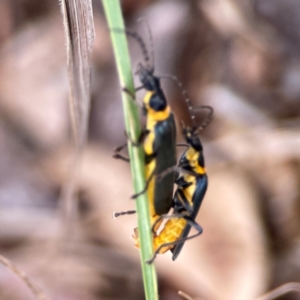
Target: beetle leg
x: 145, y: 188
x: 123, y: 213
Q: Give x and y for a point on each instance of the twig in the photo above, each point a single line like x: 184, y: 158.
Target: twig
x: 185, y: 296
x: 281, y: 290
x: 33, y: 288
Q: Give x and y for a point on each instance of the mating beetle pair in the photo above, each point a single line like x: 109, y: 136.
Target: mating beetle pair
x: 159, y: 143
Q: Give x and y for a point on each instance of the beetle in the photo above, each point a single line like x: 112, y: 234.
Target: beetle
x: 191, y: 189
x: 158, y: 139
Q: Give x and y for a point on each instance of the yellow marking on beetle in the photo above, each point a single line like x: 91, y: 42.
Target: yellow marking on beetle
x: 170, y: 233
x: 156, y: 116
x: 151, y: 191
x: 148, y: 143
x: 192, y: 156
x: 149, y: 168
x: 200, y: 170
x: 190, y: 190
x: 147, y: 97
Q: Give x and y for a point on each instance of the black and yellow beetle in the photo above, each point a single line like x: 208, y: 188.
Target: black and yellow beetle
x: 191, y: 189
x: 160, y: 158
x: 158, y: 139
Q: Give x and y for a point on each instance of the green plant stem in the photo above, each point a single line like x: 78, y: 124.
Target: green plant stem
x: 132, y: 123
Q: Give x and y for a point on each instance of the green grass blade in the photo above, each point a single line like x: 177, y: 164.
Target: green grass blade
x: 115, y: 20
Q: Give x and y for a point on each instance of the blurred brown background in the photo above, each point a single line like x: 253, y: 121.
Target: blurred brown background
x: 240, y: 56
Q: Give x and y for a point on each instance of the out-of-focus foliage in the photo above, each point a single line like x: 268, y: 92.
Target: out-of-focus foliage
x: 241, y: 57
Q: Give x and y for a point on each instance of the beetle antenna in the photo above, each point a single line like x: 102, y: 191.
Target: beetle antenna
x: 142, y: 44
x: 207, y: 120
x: 139, y: 40
x: 151, y: 62
x: 185, y: 96
x: 192, y: 109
